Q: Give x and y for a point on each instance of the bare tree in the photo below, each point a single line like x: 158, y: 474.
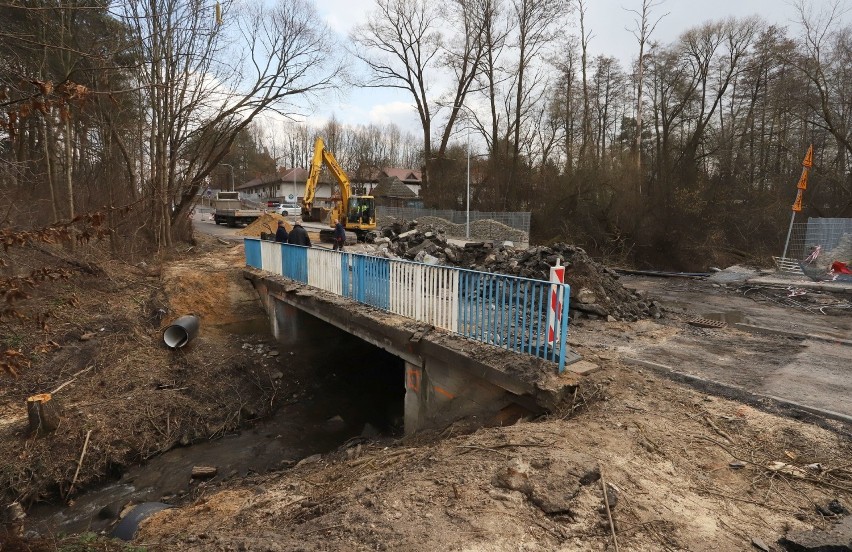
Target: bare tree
x: 407, y: 43
x: 401, y: 44
x: 585, y: 38
x: 200, y: 93
x: 825, y: 58
x: 642, y: 31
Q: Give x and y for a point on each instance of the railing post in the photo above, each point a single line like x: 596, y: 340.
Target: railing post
x: 563, y: 333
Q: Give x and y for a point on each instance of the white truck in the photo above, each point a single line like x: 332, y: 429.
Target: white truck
x: 229, y: 210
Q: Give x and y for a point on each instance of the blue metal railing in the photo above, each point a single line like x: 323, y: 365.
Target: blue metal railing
x: 505, y: 311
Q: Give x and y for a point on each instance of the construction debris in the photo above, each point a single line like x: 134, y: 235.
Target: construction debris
x: 595, y: 290
x: 837, y: 537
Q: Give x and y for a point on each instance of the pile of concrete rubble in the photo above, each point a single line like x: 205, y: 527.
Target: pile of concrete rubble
x: 595, y: 290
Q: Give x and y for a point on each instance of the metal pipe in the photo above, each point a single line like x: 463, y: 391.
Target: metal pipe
x: 181, y: 331
x: 789, y: 233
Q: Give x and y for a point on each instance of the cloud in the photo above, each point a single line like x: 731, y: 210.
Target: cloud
x: 392, y: 112
x: 343, y: 15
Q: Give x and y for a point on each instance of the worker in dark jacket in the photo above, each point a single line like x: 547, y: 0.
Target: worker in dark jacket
x: 281, y: 233
x: 339, y: 235
x: 299, y: 236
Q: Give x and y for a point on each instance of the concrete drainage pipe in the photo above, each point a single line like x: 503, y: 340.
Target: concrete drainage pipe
x: 181, y: 331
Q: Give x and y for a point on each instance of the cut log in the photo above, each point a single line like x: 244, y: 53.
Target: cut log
x: 43, y: 413
x: 204, y: 472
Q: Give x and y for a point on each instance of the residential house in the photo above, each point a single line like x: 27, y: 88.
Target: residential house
x: 288, y: 186
x: 391, y: 192
x: 370, y: 178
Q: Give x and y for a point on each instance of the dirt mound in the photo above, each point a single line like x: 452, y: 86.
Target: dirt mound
x: 595, y: 289
x: 214, y: 290
x: 266, y: 222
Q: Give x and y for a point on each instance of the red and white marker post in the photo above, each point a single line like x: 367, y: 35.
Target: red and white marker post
x: 554, y: 308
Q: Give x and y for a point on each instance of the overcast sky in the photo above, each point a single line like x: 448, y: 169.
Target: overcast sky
x: 608, y: 21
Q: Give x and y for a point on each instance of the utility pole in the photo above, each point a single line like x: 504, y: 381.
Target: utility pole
x: 467, y: 195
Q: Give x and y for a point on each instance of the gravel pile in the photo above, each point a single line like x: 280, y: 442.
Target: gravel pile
x: 484, y: 229
x: 595, y: 290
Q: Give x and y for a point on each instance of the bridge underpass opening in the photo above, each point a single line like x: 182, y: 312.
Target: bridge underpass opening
x: 365, y: 382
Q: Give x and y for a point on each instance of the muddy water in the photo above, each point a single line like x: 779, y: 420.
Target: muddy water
x: 353, y: 389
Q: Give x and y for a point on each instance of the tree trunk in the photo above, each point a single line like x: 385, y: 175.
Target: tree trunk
x: 69, y: 161
x: 43, y: 413
x: 48, y: 139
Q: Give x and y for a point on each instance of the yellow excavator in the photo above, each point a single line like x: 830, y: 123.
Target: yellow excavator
x: 357, y: 212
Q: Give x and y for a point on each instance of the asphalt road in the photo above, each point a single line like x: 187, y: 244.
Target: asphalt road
x: 202, y: 221
x: 770, y: 349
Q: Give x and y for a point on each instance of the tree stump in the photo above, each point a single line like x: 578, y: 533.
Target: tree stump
x: 43, y: 412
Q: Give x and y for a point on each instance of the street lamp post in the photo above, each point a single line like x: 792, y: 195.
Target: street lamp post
x: 467, y: 195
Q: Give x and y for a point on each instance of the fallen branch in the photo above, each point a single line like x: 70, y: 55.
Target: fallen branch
x: 79, y: 463
x: 726, y: 449
x: 72, y: 380
x: 474, y: 447
x: 717, y: 429
x: 757, y: 502
x: 608, y: 512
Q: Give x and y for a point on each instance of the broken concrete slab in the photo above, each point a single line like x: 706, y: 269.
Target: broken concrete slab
x: 733, y: 274
x: 837, y: 538
x: 583, y: 367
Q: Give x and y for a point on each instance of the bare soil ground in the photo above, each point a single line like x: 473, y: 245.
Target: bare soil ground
x: 102, y: 344
x: 664, y: 451
x: 684, y: 470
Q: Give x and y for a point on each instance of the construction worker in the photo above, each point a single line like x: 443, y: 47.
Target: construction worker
x: 298, y: 235
x: 339, y: 236
x: 281, y: 232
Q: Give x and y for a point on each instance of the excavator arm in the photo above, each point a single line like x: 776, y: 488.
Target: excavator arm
x: 339, y: 175
x: 313, y: 177
x: 366, y: 218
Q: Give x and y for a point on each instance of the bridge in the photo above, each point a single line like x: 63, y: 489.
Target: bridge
x: 473, y: 343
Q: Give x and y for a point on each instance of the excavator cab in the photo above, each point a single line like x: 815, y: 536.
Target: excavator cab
x: 361, y: 211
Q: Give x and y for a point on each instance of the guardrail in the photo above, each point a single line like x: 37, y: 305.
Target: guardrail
x: 518, y: 314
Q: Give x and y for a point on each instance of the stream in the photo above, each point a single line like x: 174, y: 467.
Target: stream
x: 357, y: 389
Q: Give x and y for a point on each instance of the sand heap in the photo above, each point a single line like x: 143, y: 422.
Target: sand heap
x: 267, y: 222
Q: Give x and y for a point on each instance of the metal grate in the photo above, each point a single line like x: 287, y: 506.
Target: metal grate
x: 707, y: 323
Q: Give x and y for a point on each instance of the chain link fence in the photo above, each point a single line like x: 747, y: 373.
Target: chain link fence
x: 832, y: 234
x: 484, y: 226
